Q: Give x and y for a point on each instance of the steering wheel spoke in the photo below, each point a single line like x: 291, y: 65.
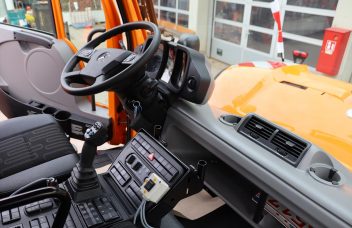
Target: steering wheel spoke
x: 85, y: 54
x: 99, y: 80
x: 72, y: 77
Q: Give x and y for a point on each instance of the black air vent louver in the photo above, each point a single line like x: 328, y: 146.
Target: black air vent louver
x: 291, y: 145
x: 275, y: 139
x: 259, y: 127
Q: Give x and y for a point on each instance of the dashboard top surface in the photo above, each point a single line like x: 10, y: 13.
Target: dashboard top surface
x: 294, y: 186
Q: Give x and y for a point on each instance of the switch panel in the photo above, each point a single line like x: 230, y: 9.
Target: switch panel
x: 141, y: 157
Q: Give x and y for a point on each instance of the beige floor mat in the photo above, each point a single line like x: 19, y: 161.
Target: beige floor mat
x: 198, y: 205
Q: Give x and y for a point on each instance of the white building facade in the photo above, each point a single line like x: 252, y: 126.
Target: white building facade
x: 235, y: 31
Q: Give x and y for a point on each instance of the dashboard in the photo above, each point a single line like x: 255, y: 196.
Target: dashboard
x: 314, y: 185
x: 182, y: 71
x: 162, y: 67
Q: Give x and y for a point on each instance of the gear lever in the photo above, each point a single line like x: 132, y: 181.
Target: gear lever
x: 83, y: 183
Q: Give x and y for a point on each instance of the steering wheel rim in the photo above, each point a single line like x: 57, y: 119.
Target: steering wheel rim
x: 101, y: 62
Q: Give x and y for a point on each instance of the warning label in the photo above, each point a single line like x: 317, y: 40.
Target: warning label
x: 330, y: 47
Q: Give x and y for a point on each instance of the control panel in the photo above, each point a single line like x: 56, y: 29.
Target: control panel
x: 38, y: 214
x: 140, y: 158
x: 143, y: 164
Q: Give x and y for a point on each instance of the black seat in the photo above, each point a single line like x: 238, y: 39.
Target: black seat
x: 33, y: 147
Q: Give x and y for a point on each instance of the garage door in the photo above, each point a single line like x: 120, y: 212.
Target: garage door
x: 244, y: 30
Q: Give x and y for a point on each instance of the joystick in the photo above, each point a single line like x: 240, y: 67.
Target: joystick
x: 83, y: 183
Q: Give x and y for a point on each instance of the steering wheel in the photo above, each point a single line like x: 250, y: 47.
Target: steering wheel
x: 107, y: 67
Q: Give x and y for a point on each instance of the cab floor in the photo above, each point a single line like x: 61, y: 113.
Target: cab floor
x: 223, y: 217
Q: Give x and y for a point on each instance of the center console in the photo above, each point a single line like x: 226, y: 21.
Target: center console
x: 118, y: 196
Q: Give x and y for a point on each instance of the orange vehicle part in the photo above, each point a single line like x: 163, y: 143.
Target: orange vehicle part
x: 133, y: 13
x: 119, y: 118
x: 314, y: 107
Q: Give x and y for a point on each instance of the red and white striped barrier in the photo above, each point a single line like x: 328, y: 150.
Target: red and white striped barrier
x: 265, y: 64
x: 275, y: 9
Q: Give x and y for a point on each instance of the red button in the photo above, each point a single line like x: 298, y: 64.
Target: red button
x: 151, y: 156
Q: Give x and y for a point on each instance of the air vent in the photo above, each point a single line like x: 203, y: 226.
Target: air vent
x: 275, y: 139
x: 260, y: 128
x: 289, y: 144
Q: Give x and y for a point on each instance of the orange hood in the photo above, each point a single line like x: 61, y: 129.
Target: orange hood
x: 314, y: 107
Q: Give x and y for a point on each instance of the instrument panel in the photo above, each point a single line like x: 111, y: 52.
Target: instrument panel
x: 169, y: 64
x: 182, y: 71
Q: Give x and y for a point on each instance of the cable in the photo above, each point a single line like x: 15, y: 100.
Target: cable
x: 137, y: 213
x: 141, y: 214
x: 30, y: 184
x: 143, y: 218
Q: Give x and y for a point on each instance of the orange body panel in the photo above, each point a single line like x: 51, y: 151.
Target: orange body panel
x: 119, y: 119
x: 314, y: 107
x: 133, y: 14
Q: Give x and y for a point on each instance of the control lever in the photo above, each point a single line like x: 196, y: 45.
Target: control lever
x: 196, y: 182
x: 83, y: 183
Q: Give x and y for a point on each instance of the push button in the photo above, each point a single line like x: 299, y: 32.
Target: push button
x: 10, y: 216
x: 151, y: 157
x: 37, y: 207
x: 90, y: 214
x: 137, y: 166
x: 17, y: 226
x: 131, y: 159
x: 69, y: 222
x: 106, y: 209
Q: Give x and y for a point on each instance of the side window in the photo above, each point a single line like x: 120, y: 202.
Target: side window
x: 80, y: 17
x: 31, y: 14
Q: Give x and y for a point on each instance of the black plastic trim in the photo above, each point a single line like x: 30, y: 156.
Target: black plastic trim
x: 268, y: 142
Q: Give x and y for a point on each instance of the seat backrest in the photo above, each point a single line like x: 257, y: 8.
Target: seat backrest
x: 29, y: 141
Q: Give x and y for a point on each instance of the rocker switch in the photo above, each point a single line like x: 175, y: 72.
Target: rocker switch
x: 131, y: 159
x: 137, y: 166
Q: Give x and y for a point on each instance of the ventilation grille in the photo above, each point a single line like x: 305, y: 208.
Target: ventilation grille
x: 259, y: 127
x: 277, y: 140
x: 289, y: 144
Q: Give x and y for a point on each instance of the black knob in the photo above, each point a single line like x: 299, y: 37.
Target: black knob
x: 131, y: 159
x: 96, y: 135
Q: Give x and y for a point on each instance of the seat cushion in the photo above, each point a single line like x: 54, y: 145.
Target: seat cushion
x: 59, y: 168
x: 34, y: 146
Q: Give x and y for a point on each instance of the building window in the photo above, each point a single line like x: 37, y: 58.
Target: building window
x: 183, y: 5
x: 168, y: 3
x: 319, y: 4
x: 307, y: 25
x: 167, y: 16
x: 262, y: 17
x: 229, y: 11
x: 174, y: 11
x: 304, y: 25
x: 227, y: 32
x: 259, y: 41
